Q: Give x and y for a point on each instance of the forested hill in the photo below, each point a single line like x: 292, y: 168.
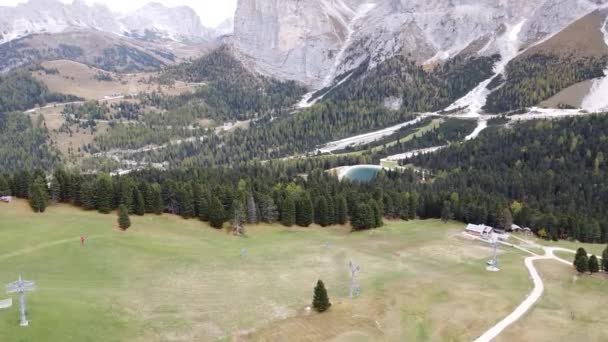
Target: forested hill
x: 20, y: 91
x: 415, y: 87
x: 23, y: 143
x: 233, y: 89
x: 556, y: 170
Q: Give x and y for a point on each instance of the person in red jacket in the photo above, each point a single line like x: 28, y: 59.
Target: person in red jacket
x: 82, y: 240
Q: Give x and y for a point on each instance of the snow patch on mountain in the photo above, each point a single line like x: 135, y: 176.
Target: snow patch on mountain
x: 508, y: 46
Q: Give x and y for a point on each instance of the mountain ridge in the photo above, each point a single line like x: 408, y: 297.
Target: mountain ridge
x: 306, y: 42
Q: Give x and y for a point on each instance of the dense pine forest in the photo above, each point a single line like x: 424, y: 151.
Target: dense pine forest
x: 231, y: 89
x: 548, y: 175
x: 23, y: 144
x: 20, y: 91
x: 533, y: 79
x: 420, y: 90
x: 551, y: 174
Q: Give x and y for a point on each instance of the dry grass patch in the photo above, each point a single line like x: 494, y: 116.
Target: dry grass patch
x: 571, y: 309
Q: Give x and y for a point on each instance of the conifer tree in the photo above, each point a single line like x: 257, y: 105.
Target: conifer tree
x: 139, y: 205
x: 362, y: 217
x: 157, y: 199
x: 217, y: 215
x: 288, y: 211
x: 594, y: 265
x: 269, y: 212
x: 124, y: 222
x: 186, y: 204
x: 605, y: 260
x: 203, y: 207
x: 377, y: 214
x: 321, y: 212
x: 331, y: 210
x: 39, y: 198
x: 446, y: 212
x: 87, y: 195
x: 5, y: 189
x: 582, y: 264
x: 341, y: 210
x: 505, y: 219
x: 304, y: 211
x: 413, y: 205
x: 320, y: 301
x: 581, y: 252
x: 103, y: 193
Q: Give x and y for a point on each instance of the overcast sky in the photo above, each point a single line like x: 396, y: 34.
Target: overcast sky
x: 212, y: 12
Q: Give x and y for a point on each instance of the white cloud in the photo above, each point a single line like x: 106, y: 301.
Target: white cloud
x: 212, y: 12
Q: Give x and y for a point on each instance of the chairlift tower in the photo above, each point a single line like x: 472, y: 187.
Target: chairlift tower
x: 21, y: 286
x: 493, y: 263
x: 354, y: 287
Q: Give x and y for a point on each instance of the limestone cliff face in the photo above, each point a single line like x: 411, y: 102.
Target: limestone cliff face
x: 292, y: 39
x: 314, y: 41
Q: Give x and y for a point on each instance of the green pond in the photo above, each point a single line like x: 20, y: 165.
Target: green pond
x: 362, y: 173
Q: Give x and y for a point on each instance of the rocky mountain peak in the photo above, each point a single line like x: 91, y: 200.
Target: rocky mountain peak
x: 319, y: 39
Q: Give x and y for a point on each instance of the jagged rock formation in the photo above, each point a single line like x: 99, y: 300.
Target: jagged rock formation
x: 51, y: 16
x: 314, y: 41
x: 146, y: 39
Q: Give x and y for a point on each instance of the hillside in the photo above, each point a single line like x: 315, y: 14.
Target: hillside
x: 548, y: 68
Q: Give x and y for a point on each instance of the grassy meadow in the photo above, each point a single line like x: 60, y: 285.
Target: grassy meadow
x: 168, y: 279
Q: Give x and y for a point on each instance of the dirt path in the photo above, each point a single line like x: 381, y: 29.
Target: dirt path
x: 536, y: 293
x: 539, y: 288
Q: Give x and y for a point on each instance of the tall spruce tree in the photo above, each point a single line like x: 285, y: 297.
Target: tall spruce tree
x: 124, y: 222
x: 377, y: 214
x: 104, y: 193
x: 39, y: 197
x: 331, y: 210
x: 362, y: 217
x: 288, y: 211
x: 505, y: 219
x: 413, y: 205
x: 320, y: 301
x: 304, y: 211
x: 217, y: 215
x: 157, y: 199
x: 203, y: 206
x: 186, y: 204
x: 87, y: 195
x: 446, y: 212
x: 341, y: 210
x: 321, y: 212
x: 5, y: 189
x: 139, y: 205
